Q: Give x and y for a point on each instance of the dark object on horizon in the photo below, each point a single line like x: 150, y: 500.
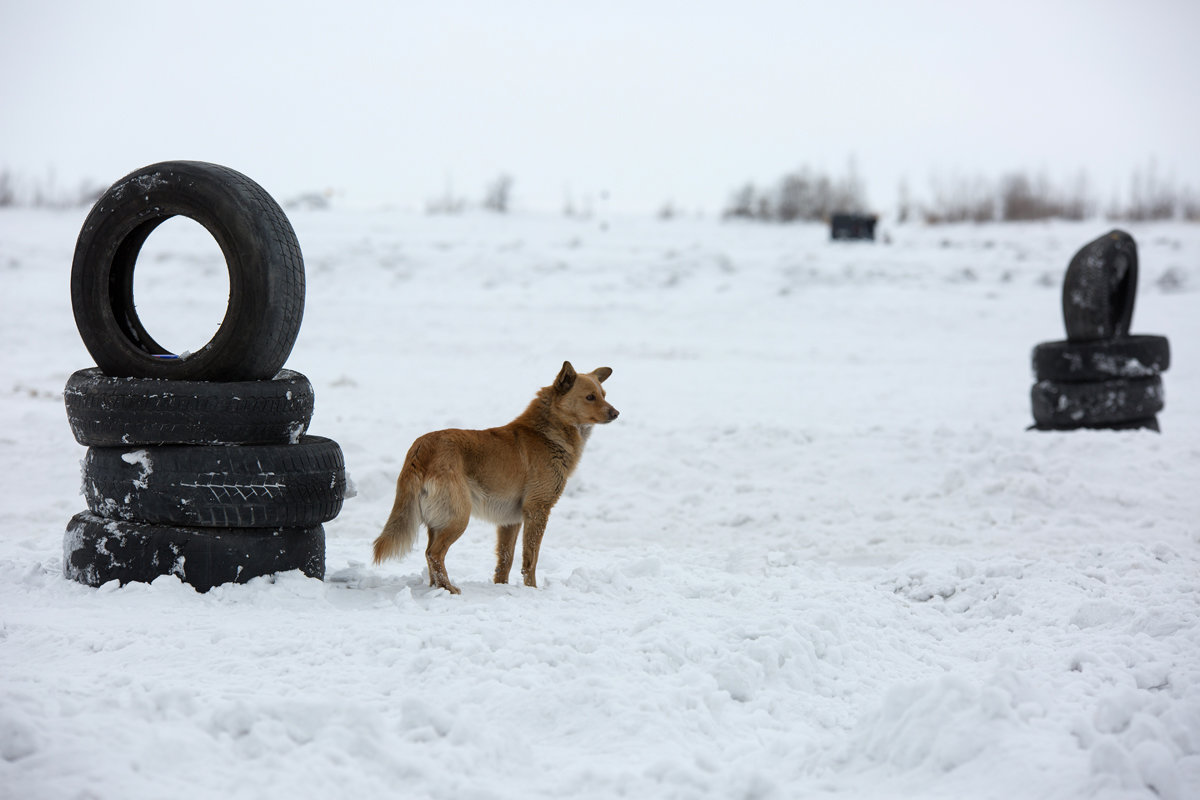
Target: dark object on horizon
x: 852, y: 226
x: 1100, y: 376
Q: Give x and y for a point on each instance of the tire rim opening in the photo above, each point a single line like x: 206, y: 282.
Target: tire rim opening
x: 181, y: 285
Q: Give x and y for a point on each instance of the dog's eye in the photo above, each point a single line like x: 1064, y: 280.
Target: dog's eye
x: 591, y: 398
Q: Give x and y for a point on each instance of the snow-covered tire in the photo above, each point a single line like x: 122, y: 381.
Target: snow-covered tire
x: 1100, y: 404
x: 113, y: 412
x: 266, y: 274
x: 97, y: 550
x: 1125, y: 357
x: 214, y: 486
x: 1100, y: 287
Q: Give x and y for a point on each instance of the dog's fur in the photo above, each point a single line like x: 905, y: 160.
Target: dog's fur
x: 511, y: 475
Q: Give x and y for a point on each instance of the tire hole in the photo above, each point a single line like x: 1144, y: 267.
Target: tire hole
x: 181, y: 285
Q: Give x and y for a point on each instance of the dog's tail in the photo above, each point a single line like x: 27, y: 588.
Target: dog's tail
x: 400, y: 531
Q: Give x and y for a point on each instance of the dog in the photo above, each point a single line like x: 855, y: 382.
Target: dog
x: 511, y: 475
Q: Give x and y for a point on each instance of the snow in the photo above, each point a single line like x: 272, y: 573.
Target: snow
x: 144, y: 463
x: 818, y: 555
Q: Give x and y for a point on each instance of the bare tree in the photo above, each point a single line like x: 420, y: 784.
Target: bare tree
x: 8, y: 192
x: 743, y: 202
x: 1189, y: 206
x: 802, y: 195
x: 960, y: 200
x: 904, y: 202
x: 1021, y: 201
x: 498, y: 194
x: 447, y: 203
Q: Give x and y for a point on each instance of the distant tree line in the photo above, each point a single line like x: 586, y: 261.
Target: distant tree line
x: 807, y: 195
x: 801, y: 196
x: 1022, y: 197
x: 497, y: 197
x: 44, y: 192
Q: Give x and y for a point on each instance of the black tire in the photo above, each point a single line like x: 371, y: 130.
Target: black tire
x: 1100, y: 404
x: 97, y: 550
x: 1100, y: 287
x: 1125, y: 357
x: 1147, y: 424
x: 266, y: 274
x: 250, y: 486
x: 115, y: 412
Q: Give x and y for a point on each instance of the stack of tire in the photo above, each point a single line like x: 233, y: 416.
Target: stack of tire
x: 197, y: 464
x: 1100, y: 376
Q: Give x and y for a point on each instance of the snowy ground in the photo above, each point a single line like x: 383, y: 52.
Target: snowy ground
x: 817, y: 556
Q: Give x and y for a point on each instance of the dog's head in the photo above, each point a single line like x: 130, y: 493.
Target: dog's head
x: 580, y: 398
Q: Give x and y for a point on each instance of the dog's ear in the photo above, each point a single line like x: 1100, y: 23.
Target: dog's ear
x: 602, y: 373
x: 566, y: 378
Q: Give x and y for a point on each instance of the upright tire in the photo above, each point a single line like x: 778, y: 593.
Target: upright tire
x: 1100, y: 287
x: 117, y: 412
x: 266, y: 274
x: 97, y: 550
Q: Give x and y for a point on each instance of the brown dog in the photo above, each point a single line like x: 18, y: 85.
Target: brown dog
x: 509, y: 475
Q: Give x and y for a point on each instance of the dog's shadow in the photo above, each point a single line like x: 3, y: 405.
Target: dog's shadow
x: 359, y: 585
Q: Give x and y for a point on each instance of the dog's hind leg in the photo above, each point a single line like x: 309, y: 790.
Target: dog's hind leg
x: 506, y: 543
x: 440, y: 540
x: 446, y: 509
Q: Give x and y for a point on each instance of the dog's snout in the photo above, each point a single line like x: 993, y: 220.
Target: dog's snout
x: 613, y: 413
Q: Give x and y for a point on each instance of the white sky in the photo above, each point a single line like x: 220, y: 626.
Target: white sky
x: 390, y: 102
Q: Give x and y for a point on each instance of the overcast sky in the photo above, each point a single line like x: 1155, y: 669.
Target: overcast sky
x: 641, y: 102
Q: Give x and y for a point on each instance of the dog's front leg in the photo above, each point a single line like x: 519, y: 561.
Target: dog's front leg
x: 506, y: 545
x: 531, y: 542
